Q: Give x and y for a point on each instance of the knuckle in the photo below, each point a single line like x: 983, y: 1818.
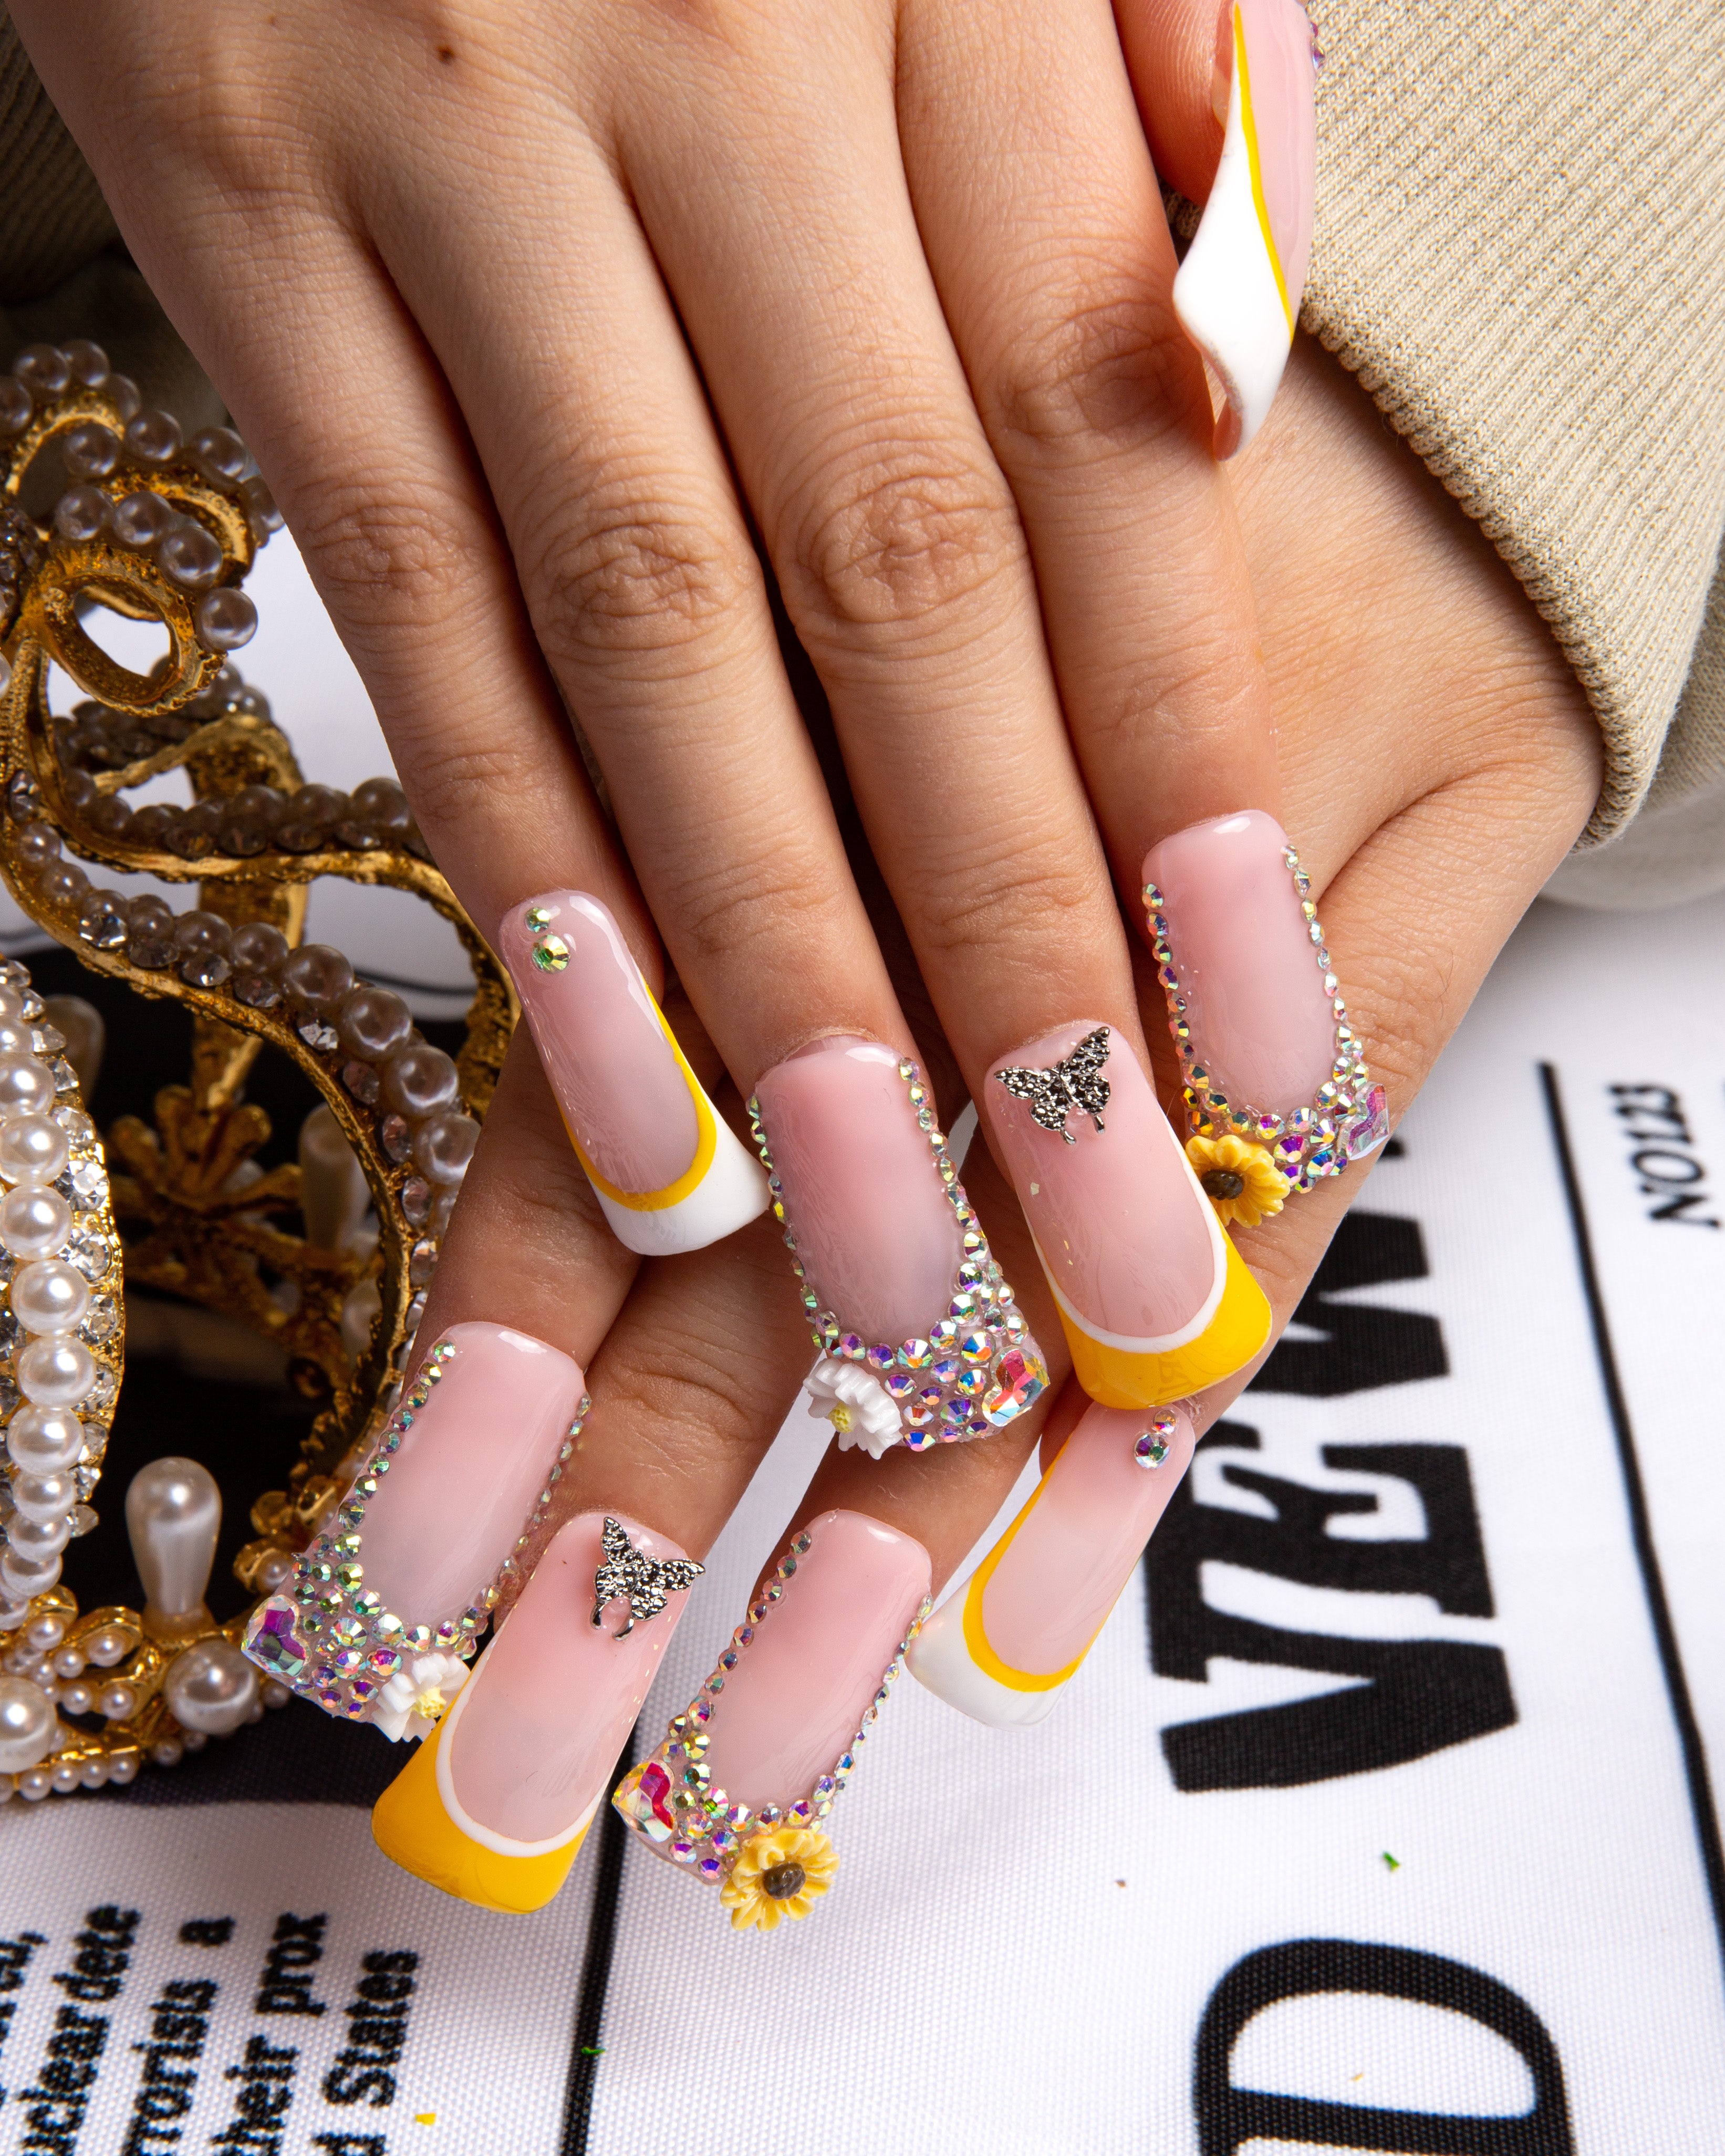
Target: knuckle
x: 634, y: 575
x: 905, y: 534
x: 381, y: 560
x: 1016, y: 895
x: 1110, y: 364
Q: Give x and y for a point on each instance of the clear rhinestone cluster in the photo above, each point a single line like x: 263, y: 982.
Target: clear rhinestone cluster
x: 329, y: 1636
x: 979, y: 1368
x: 670, y: 1798
x: 1347, y: 1118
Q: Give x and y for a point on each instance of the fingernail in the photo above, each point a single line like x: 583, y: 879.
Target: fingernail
x: 740, y: 1791
x: 1238, y: 292
x: 1154, y: 1301
x: 921, y: 1341
x: 495, y: 1808
x: 1001, y: 1647
x: 667, y: 1168
x: 386, y: 1605
x: 1277, y: 1091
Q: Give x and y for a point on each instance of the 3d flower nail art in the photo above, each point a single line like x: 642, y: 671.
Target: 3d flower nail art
x: 1279, y: 1097
x: 923, y: 1341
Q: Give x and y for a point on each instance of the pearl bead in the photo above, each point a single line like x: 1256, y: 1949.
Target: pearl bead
x: 28, y: 1576
x: 16, y: 409
x: 37, y: 1540
x: 122, y: 1766
x: 258, y: 947
x: 12, y: 1003
x: 226, y: 619
x: 90, y: 450
x: 373, y: 1022
x: 211, y: 1688
x: 49, y: 1497
x: 173, y: 1514
x: 45, y: 1632
x: 43, y: 1440
x: 420, y: 1080
x: 65, y: 881
x: 317, y: 977
x: 140, y: 520
x: 50, y: 1296
x: 27, y: 1725
x: 55, y: 1371
x: 81, y: 514
x: 77, y: 1698
x: 111, y: 1644
x: 122, y: 393
x: 88, y: 361
x: 189, y: 556
x: 65, y: 1776
x: 43, y: 369
x: 443, y: 1146
x: 153, y: 437
x: 24, y: 1083
x: 35, y: 1785
x: 118, y: 1702
x: 274, y: 1570
x: 220, y: 451
x: 35, y: 845
x: 32, y: 1149
x: 260, y: 506
x: 92, y: 1774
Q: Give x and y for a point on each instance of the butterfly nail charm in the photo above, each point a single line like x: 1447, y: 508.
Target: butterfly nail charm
x: 627, y: 1575
x: 1073, y: 1087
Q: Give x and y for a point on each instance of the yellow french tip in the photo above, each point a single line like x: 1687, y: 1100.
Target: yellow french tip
x: 1117, y: 1377
x: 412, y: 1828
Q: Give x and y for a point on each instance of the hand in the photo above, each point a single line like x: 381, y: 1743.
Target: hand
x: 1404, y: 651
x: 534, y: 322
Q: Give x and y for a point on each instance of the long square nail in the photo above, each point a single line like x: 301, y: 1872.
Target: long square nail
x: 1154, y: 1300
x: 921, y: 1339
x: 1277, y: 1092
x: 1238, y: 292
x: 739, y: 1792
x: 667, y: 1170
x: 387, y: 1604
x: 495, y: 1808
x: 1003, y: 1647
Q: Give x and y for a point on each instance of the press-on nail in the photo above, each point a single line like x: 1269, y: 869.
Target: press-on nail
x: 667, y: 1170
x: 1002, y: 1648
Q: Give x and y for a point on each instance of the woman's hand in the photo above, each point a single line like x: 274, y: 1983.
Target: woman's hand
x: 543, y: 319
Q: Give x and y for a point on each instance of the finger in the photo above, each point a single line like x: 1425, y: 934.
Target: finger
x: 1096, y: 404
x: 899, y: 555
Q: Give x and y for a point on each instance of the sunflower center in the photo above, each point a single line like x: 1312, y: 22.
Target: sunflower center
x: 430, y: 1704
x: 780, y: 1881
x: 1222, y: 1183
x: 838, y: 1415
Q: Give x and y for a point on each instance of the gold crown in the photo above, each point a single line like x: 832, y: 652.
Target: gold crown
x: 157, y: 528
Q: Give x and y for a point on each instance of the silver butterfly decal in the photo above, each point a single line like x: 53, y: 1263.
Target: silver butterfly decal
x: 627, y: 1575
x: 1073, y: 1086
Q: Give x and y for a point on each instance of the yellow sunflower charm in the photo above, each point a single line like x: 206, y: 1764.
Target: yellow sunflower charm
x: 1241, y: 1179
x: 778, y: 1874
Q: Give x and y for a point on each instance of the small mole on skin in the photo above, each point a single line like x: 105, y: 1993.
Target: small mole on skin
x: 446, y: 52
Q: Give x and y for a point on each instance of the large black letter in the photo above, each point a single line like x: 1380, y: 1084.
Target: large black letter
x: 1361, y: 1347
x: 1228, y: 2118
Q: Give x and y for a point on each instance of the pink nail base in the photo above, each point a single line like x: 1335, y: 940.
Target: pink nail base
x: 670, y: 1799
x: 1345, y: 1118
x: 330, y: 1638
x: 977, y: 1368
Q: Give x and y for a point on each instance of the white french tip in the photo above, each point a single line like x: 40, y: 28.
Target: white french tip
x: 1228, y: 293
x: 939, y: 1658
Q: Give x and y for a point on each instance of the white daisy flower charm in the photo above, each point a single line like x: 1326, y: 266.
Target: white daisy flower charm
x: 856, y: 1404
x: 417, y: 1694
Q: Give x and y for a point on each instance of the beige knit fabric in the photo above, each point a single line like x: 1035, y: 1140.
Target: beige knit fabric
x: 1521, y: 252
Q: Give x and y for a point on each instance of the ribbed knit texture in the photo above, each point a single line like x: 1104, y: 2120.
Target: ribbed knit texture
x: 1521, y: 251
x: 52, y: 219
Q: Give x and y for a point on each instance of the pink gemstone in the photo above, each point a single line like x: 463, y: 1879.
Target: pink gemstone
x: 1371, y: 1126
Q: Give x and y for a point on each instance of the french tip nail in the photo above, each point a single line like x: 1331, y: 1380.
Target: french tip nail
x: 670, y: 1173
